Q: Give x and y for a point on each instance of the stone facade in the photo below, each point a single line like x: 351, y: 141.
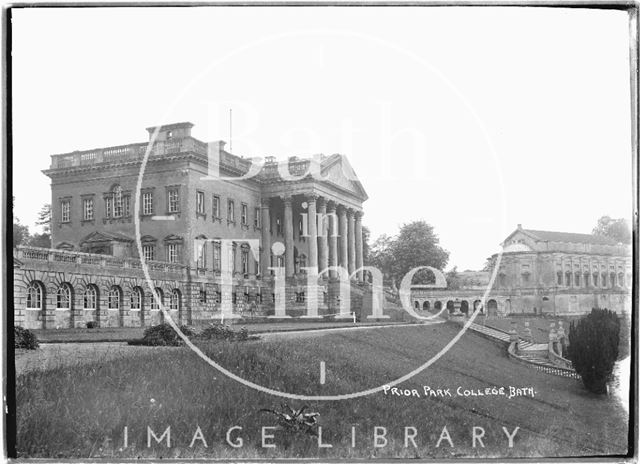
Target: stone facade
x: 547, y: 272
x: 201, y: 211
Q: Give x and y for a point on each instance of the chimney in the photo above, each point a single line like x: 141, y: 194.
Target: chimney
x: 519, y: 226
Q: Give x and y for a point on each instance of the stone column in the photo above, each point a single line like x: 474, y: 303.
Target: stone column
x: 323, y: 247
x: 265, y: 224
x: 313, y: 231
x: 352, y: 241
x: 288, y: 237
x: 333, y: 239
x: 359, y: 244
x: 344, y: 254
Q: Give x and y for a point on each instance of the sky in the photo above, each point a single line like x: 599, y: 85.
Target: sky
x: 472, y: 119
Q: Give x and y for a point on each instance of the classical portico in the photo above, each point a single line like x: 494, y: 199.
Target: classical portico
x: 317, y: 232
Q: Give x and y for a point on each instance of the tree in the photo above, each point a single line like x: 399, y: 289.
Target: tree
x: 20, y: 233
x: 490, y: 263
x: 415, y: 245
x: 44, y: 218
x: 40, y: 240
x: 616, y: 229
x: 593, y: 348
x: 366, y: 236
x: 453, y: 279
x: 380, y: 254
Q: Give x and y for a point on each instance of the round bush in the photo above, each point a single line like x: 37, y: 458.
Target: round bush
x: 25, y: 339
x: 164, y: 335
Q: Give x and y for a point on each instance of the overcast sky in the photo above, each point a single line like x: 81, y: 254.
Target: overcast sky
x: 473, y: 119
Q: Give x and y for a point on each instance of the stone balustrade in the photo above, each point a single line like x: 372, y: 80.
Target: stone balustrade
x: 27, y: 253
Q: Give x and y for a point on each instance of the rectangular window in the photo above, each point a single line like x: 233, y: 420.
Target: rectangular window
x: 216, y: 207
x: 108, y: 207
x: 65, y: 210
x: 216, y: 257
x: 147, y: 203
x: 245, y: 214
x: 256, y: 218
x: 174, y: 200
x: 245, y: 261
x: 202, y: 255
x: 199, y: 202
x: 203, y: 296
x: 172, y: 253
x: 117, y: 205
x: 149, y: 252
x: 231, y: 211
x: 87, y: 209
x: 278, y: 226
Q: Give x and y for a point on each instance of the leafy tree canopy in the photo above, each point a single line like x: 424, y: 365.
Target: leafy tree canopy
x: 617, y: 229
x: 415, y: 245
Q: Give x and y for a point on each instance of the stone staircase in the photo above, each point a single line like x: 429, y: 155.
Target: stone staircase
x: 535, y: 355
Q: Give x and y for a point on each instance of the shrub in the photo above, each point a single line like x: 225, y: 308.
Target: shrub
x: 24, y: 338
x: 162, y: 335
x: 224, y: 332
x: 593, y: 348
x: 92, y: 325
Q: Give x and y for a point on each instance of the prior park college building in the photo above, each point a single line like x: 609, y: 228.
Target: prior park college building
x: 207, y: 244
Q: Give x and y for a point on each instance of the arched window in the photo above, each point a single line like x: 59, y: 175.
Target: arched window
x: 35, y: 294
x: 114, y: 297
x: 154, y: 302
x: 137, y: 298
x: 174, y: 304
x: 63, y: 297
x: 90, y: 297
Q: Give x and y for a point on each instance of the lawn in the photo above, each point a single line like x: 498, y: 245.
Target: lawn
x: 81, y: 411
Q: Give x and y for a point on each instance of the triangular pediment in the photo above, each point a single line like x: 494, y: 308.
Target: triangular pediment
x: 97, y: 237
x: 338, y: 171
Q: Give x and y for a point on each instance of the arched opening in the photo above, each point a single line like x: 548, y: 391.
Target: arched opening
x: 155, y: 316
x: 64, y: 302
x: 35, y: 318
x: 114, y: 303
x: 90, y: 302
x: 450, y: 306
x: 437, y: 306
x: 464, y: 307
x: 476, y: 304
x: 176, y: 304
x: 425, y: 306
x: 137, y: 306
x: 492, y: 308
x: 416, y: 304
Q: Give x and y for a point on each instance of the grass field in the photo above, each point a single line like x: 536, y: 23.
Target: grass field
x: 81, y: 411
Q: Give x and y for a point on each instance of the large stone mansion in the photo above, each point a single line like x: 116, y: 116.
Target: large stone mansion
x: 94, y: 272
x: 544, y: 272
